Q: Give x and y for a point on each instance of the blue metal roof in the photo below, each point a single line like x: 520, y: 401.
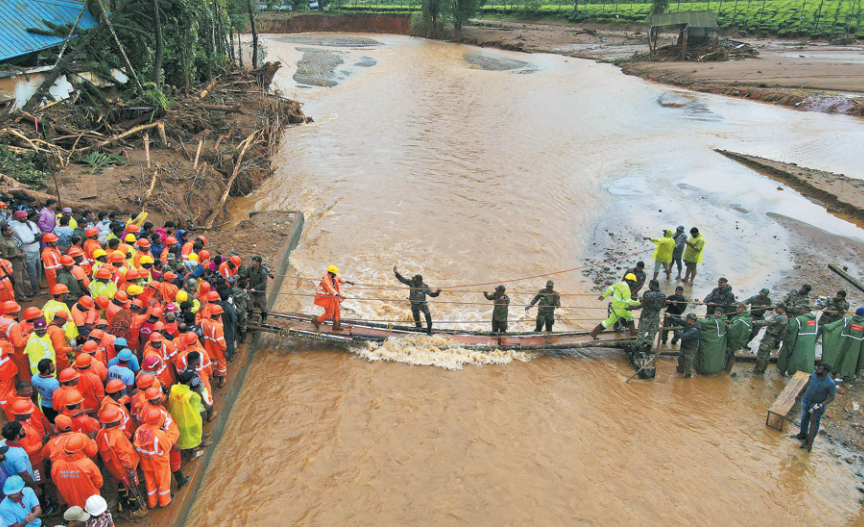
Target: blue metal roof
x: 19, y: 15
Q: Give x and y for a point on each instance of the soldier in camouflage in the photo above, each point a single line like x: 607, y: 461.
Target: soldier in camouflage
x: 242, y: 304
x: 721, y: 296
x: 417, y: 296
x: 759, y: 304
x: 257, y: 274
x: 499, y: 314
x: 653, y: 302
x: 689, y: 342
x: 795, y: 299
x: 835, y: 309
x: 775, y: 334
x: 548, y: 300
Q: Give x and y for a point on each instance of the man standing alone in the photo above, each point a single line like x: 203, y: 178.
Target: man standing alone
x: 417, y: 296
x: 821, y: 391
x: 499, y: 314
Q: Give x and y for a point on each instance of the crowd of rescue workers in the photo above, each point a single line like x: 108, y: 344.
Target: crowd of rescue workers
x: 708, y: 345
x: 115, y: 373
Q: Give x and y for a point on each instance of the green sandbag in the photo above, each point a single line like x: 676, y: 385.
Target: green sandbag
x: 799, y: 350
x: 711, y: 356
x: 842, y: 343
x: 738, y: 330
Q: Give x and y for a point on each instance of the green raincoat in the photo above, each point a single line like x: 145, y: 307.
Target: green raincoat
x: 183, y: 407
x: 711, y: 356
x: 738, y: 330
x: 799, y: 350
x: 842, y: 344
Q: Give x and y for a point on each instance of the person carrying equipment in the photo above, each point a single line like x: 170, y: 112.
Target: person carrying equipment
x: 417, y: 296
x: 621, y: 306
x: 329, y: 297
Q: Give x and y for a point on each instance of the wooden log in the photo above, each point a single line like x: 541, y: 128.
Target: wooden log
x: 244, y: 146
x: 836, y: 268
x: 219, y: 108
x: 147, y: 153
x: 42, y: 196
x: 127, y: 133
x: 786, y: 400
x: 11, y: 181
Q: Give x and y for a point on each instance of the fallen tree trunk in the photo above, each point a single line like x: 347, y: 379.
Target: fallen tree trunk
x: 42, y: 196
x: 245, y: 145
x: 218, y: 108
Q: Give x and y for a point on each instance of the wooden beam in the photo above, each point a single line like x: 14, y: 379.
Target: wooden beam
x: 786, y: 400
x: 836, y: 268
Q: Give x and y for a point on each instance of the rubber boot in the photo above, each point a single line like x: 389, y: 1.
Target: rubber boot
x: 263, y: 317
x: 337, y: 326
x: 241, y: 337
x: 596, y: 331
x: 633, y: 332
x: 730, y: 361
x: 316, y: 323
x: 122, y: 499
x: 181, y: 479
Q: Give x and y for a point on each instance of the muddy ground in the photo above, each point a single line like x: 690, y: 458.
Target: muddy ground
x: 813, y: 76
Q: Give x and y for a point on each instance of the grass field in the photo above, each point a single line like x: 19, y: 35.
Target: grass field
x: 784, y: 18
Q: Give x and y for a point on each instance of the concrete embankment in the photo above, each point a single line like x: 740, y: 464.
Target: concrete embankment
x: 838, y: 193
x: 355, y: 23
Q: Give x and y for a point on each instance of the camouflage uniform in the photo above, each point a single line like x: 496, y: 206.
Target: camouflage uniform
x: 775, y: 334
x: 649, y: 320
x: 794, y: 300
x: 546, y: 309
x: 257, y: 288
x: 758, y: 305
x: 499, y: 313
x: 720, y: 298
x: 243, y: 307
x: 689, y: 345
x: 417, y: 296
x: 834, y: 311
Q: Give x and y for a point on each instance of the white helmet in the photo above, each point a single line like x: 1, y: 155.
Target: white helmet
x: 95, y: 505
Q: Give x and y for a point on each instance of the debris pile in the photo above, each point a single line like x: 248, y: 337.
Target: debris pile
x: 727, y: 49
x: 182, y: 156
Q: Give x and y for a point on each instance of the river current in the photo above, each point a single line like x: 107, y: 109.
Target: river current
x: 472, y: 165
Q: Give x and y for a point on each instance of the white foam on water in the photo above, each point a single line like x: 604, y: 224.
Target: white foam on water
x: 422, y: 350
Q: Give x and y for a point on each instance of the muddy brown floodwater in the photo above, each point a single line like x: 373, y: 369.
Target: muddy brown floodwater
x: 469, y: 174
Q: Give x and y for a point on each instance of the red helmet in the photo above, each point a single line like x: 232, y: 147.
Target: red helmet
x: 132, y: 274
x: 102, y: 301
x: 156, y: 337
x: 157, y: 312
x: 216, y: 310
x: 110, y: 414
x: 83, y: 361
x: 67, y: 260
x: 133, y: 228
x: 121, y: 296
x: 143, y: 242
x: 49, y: 238
x: 204, y: 288
x: 91, y: 231
x: 235, y: 260
x: 203, y: 255
x: 63, y: 422
x: 10, y: 307
x: 75, y: 251
x: 101, y: 322
x: 114, y: 386
x: 213, y: 296
x: 153, y: 393
x: 68, y: 375
x: 32, y: 313
x: 167, y: 277
x: 59, y: 289
x: 159, y: 326
x: 116, y: 257
x: 103, y: 273
x: 190, y: 338
x: 170, y: 240
x: 203, y: 239
x: 74, y: 398
x: 90, y: 346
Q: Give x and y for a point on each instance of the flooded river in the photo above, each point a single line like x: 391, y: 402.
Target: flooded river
x: 472, y: 166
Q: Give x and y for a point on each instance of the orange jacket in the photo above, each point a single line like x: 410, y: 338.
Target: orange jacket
x: 205, y: 369
x: 203, y: 312
x: 7, y: 291
x: 8, y: 369
x: 90, y: 246
x: 80, y: 273
x: 226, y: 271
x: 90, y: 386
x: 12, y: 332
x: 327, y: 290
x: 169, y: 291
x: 214, y: 337
x: 51, y: 260
x: 79, y: 317
x: 61, y: 345
x: 37, y: 412
x: 185, y: 250
x: 117, y: 452
x: 34, y: 429
x: 53, y: 449
x: 153, y: 445
x: 77, y: 478
x: 126, y: 424
x: 58, y: 399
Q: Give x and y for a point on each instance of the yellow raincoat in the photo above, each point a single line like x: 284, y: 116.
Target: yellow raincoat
x: 695, y: 254
x: 183, y: 407
x: 665, y: 246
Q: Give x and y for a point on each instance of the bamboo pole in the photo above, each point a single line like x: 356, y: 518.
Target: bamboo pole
x: 147, y: 151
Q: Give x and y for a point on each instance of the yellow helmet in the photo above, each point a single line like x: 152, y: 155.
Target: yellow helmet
x: 630, y: 276
x: 134, y: 290
x: 333, y: 269
x: 99, y: 253
x: 193, y: 257
x: 146, y: 260
x: 182, y: 296
x: 130, y: 238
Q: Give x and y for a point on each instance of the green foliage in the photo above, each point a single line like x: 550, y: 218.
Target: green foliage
x: 25, y: 168
x: 156, y: 98
x: 99, y: 161
x: 659, y: 6
x: 430, y: 21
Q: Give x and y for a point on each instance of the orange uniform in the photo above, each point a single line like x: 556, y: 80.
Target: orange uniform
x: 80, y: 273
x: 215, y: 346
x: 91, y: 246
x: 126, y: 425
x: 61, y: 394
x: 53, y: 449
x: 12, y: 332
x: 226, y: 271
x: 83, y: 423
x: 37, y: 412
x: 8, y: 372
x: 61, y: 345
x: 7, y: 291
x: 81, y: 317
x: 203, y: 312
x: 154, y: 445
x: 169, y: 291
x: 326, y: 297
x: 185, y: 250
x: 51, y: 261
x: 117, y: 452
x: 32, y: 442
x: 91, y: 388
x: 77, y: 478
